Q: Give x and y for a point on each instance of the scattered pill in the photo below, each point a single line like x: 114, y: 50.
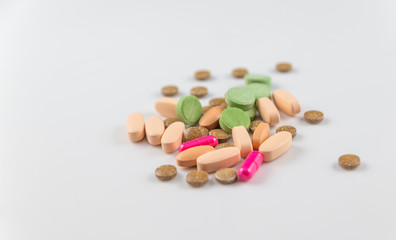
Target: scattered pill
x: 165, y: 172
x: 226, y: 175
x: 202, y: 75
x: 240, y: 97
x: 189, y: 110
x: 217, y: 101
x: 289, y: 129
x: 197, y: 178
x: 286, y: 102
x: 239, y: 72
x: 242, y: 140
x: 261, y: 134
x: 268, y: 112
x: 170, y: 90
x: 199, y: 92
x: 135, y: 127
x: 188, y: 158
x: 169, y: 121
x: 210, y: 119
x: 250, y: 166
x: 253, y: 125
x: 204, y: 131
x: 221, y: 136
x: 207, y: 140
x: 154, y: 130
x: 172, y: 137
x: 275, y: 145
x: 257, y: 78
x: 313, y: 117
x: 349, y: 161
x: 224, y: 145
x: 283, y: 67
x: 191, y: 133
x: 217, y: 159
x: 232, y: 117
x: 166, y: 107
x: 260, y: 90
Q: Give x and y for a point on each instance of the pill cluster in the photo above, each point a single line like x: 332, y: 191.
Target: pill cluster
x: 205, y: 146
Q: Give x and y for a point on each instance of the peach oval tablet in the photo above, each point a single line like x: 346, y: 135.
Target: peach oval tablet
x: 188, y: 158
x: 154, y: 130
x: 261, y: 134
x: 286, y: 102
x: 241, y: 139
x: 217, y: 159
x: 268, y: 111
x: 172, y: 137
x: 210, y: 119
x: 166, y: 107
x: 275, y: 145
x: 135, y: 127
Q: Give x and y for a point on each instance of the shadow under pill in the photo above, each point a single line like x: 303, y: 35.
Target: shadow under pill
x: 361, y: 168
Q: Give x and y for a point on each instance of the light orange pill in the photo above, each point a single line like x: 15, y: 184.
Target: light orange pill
x: 286, y: 102
x: 268, y: 111
x: 241, y: 139
x: 261, y: 134
x: 166, y: 107
x: 188, y: 158
x: 154, y: 130
x: 172, y: 137
x: 275, y: 145
x: 210, y: 119
x: 135, y: 127
x: 217, y: 159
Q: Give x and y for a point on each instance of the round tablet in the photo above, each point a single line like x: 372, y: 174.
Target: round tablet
x: 221, y: 136
x: 202, y: 75
x: 240, y: 97
x: 226, y: 175
x: 283, y: 67
x: 197, y: 178
x: 165, y: 172
x: 349, y: 161
x: 289, y: 129
x: 260, y: 90
x: 191, y: 133
x: 313, y: 117
x: 199, y: 92
x: 170, y: 90
x: 204, y: 131
x: 217, y: 101
x: 254, y: 125
x: 189, y: 110
x: 232, y: 117
x: 239, y: 72
x: 169, y: 121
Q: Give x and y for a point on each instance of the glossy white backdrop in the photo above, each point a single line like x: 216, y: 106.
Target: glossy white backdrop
x: 72, y: 71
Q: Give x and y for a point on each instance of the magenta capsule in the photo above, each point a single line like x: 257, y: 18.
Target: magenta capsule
x: 207, y: 140
x: 250, y: 165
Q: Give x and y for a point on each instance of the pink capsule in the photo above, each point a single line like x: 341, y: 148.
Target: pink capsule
x: 207, y: 140
x: 250, y: 165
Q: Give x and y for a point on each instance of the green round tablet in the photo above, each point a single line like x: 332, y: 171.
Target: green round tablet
x: 251, y: 113
x: 189, y: 110
x: 233, y: 117
x: 257, y: 78
x: 240, y: 97
x: 260, y: 90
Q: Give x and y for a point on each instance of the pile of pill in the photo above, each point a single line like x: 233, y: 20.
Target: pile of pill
x: 201, y: 134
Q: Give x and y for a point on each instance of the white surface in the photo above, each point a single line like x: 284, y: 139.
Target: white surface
x: 71, y: 73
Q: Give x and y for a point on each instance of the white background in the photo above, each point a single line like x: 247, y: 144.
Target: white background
x: 72, y: 71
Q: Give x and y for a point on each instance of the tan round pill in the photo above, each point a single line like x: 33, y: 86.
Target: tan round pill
x: 313, y: 117
x: 289, y: 129
x: 226, y: 175
x: 224, y: 145
x: 239, y: 72
x: 221, y: 136
x: 254, y: 124
x: 169, y: 121
x: 199, y: 92
x: 349, y: 161
x: 204, y: 131
x: 165, y: 172
x: 284, y: 67
x: 197, y: 178
x: 170, y: 90
x: 191, y: 134
x: 202, y: 75
x: 217, y: 101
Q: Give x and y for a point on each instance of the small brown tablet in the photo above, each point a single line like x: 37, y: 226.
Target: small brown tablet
x: 226, y: 175
x: 349, y: 161
x: 165, y: 172
x: 170, y: 90
x: 204, y: 131
x: 217, y: 101
x: 169, y: 121
x: 313, y: 117
x: 284, y: 67
x: 221, y: 136
x: 202, y: 75
x: 191, y: 134
x: 289, y: 129
x: 197, y: 178
x: 254, y: 124
x: 239, y: 72
x: 199, y: 92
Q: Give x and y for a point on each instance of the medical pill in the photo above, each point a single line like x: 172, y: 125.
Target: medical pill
x: 166, y: 107
x: 232, y: 117
x: 191, y: 133
x: 261, y: 134
x: 204, y: 131
x: 289, y: 129
x: 207, y: 140
x: 199, y: 92
x: 217, y: 101
x: 240, y: 97
x: 172, y: 137
x: 226, y: 175
x: 313, y: 117
x: 197, y: 178
x: 275, y: 145
x: 239, y: 72
x: 286, y: 102
x: 252, y: 112
x: 253, y: 125
x: 242, y: 140
x: 224, y: 145
x: 165, y: 172
x: 202, y: 75
x: 188, y: 158
x: 257, y: 78
x: 217, y: 159
x: 283, y: 67
x: 221, y: 136
x: 135, y: 127
x: 154, y: 129
x: 250, y: 165
x: 268, y: 111
x: 169, y: 121
x: 169, y: 90
x: 189, y: 110
x: 349, y: 161
x: 260, y: 90
x: 210, y: 119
